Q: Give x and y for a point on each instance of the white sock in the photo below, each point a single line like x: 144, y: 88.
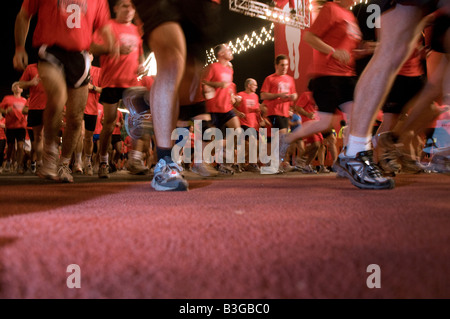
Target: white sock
x: 137, y: 155
x: 357, y: 144
x: 104, y: 158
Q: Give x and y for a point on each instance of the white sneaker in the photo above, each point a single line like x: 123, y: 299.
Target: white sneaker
x: 64, y: 173
x: 167, y: 176
x: 136, y: 167
x: 204, y: 169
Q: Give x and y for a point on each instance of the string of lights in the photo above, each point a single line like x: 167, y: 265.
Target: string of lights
x: 246, y: 42
x: 356, y: 3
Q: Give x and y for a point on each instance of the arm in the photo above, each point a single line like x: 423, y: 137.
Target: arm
x: 302, y: 111
x: 317, y: 44
x: 109, y: 46
x: 22, y: 24
x: 27, y: 84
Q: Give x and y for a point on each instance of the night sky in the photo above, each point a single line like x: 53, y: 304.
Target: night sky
x: 256, y: 63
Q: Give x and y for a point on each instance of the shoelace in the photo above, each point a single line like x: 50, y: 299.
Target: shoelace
x: 372, y: 168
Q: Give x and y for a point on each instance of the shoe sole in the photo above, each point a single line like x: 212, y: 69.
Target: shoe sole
x: 48, y: 177
x: 180, y: 187
x: 341, y: 172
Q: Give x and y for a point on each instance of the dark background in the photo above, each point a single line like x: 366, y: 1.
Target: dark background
x: 256, y: 63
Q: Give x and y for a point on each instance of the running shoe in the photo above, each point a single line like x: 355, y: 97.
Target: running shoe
x: 103, y: 170
x: 204, y: 169
x: 252, y: 167
x: 33, y: 167
x: 77, y: 169
x: 225, y: 169
x: 283, y: 147
x: 137, y: 167
x: 323, y: 170
x: 64, y: 173
x: 88, y: 169
x: 167, y: 176
x: 362, y: 171
x: 390, y: 158
x: 7, y: 167
x: 138, y: 120
x: 49, y: 168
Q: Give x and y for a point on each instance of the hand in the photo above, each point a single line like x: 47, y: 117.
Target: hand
x: 342, y: 56
x: 141, y: 70
x: 35, y: 81
x: 20, y: 60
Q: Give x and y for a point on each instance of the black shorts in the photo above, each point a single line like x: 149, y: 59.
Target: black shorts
x: 188, y: 112
x: 403, y: 90
x: 249, y: 131
x: 111, y: 95
x: 89, y: 122
x: 199, y: 20
x: 220, y: 119
x: 279, y: 122
x: 35, y: 118
x: 116, y: 138
x: 75, y: 65
x: 15, y: 134
x: 330, y: 92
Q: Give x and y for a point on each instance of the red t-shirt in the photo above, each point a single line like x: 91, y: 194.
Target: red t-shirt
x: 275, y: 83
x: 122, y: 72
x: 221, y: 102
x: 413, y: 66
x: 128, y: 144
x: 92, y: 101
x: 2, y: 131
x: 67, y: 24
x: 337, y: 27
x: 118, y: 127
x: 306, y: 101
x: 15, y: 118
x: 250, y: 107
x: 38, y: 97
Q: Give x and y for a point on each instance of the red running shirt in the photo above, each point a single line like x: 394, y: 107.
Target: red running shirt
x: 337, y: 27
x: 221, y: 102
x: 275, y: 83
x: 15, y: 118
x: 122, y: 72
x: 38, y: 98
x: 68, y: 24
x: 250, y: 107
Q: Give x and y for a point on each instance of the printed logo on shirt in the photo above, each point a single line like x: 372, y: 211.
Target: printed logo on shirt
x: 353, y: 30
x: 129, y: 40
x: 250, y: 102
x: 284, y: 87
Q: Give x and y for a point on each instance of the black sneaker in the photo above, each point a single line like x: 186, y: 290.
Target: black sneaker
x: 167, y: 176
x: 362, y: 171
